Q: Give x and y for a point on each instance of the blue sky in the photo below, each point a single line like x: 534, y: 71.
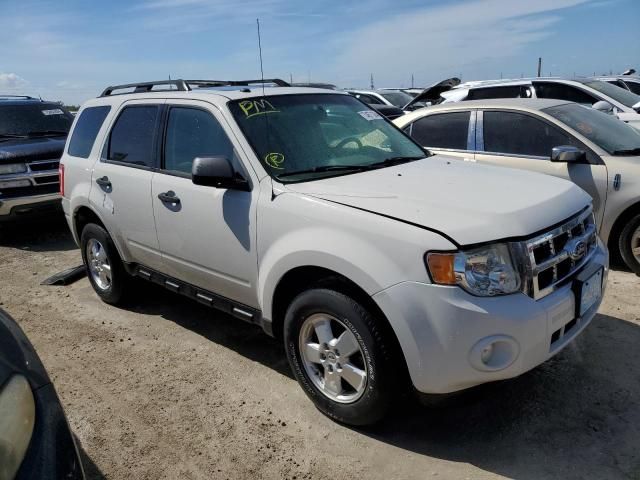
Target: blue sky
x: 71, y: 49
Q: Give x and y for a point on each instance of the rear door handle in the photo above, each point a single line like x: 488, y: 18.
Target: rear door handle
x: 169, y: 197
x: 103, y: 182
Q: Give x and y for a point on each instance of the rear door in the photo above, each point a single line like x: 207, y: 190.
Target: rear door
x: 207, y: 235
x: 523, y: 140
x: 121, y: 189
x: 448, y: 133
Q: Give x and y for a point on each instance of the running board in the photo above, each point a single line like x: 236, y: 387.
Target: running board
x: 210, y: 299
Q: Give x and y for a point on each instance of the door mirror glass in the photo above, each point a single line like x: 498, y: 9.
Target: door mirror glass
x: 603, y: 106
x: 217, y: 172
x: 568, y: 154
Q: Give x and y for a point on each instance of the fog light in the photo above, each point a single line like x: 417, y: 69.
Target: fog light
x: 494, y: 353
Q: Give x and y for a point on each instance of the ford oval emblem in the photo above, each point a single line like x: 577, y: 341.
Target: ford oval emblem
x: 577, y: 250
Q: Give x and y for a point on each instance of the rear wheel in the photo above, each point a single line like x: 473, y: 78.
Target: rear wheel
x: 629, y: 244
x: 104, y: 266
x: 340, y: 356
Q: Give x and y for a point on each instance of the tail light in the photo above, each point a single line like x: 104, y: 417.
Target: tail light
x: 61, y: 175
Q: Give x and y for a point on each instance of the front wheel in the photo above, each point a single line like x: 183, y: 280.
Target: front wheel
x: 340, y: 356
x: 629, y: 244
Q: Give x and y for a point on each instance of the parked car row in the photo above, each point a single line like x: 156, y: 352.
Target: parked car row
x: 387, y: 257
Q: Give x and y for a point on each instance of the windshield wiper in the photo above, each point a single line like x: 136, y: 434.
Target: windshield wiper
x: 326, y: 168
x: 629, y: 151
x: 388, y: 162
x: 48, y: 133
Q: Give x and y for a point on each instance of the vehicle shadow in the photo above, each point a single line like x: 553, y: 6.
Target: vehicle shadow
x: 91, y: 470
x: 576, y: 416
x: 49, y: 234
x: 244, y: 338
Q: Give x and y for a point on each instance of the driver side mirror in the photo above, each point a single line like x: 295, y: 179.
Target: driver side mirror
x: 217, y: 172
x: 603, y: 106
x: 568, y: 154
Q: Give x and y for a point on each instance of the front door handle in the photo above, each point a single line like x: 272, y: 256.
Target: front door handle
x: 169, y: 197
x: 104, y: 182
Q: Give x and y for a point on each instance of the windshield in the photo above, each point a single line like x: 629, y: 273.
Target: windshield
x: 319, y: 135
x: 606, y: 131
x: 399, y: 99
x: 619, y: 94
x: 34, y: 119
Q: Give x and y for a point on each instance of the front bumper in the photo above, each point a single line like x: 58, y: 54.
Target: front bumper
x: 442, y: 330
x: 18, y: 207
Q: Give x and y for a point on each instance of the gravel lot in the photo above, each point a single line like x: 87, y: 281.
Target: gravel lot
x: 169, y: 389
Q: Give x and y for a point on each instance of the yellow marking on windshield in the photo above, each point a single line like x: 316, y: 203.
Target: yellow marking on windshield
x: 251, y: 108
x: 274, y: 160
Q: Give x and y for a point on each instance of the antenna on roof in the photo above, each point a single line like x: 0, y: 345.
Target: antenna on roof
x: 260, y: 54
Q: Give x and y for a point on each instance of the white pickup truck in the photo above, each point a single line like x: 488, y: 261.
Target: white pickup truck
x: 305, y: 212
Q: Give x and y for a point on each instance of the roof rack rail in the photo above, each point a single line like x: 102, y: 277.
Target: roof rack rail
x: 185, y: 85
x: 236, y: 83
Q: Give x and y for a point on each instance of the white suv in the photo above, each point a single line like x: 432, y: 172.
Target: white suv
x: 305, y: 212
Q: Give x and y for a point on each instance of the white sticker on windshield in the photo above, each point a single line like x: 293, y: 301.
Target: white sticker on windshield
x: 55, y: 111
x: 370, y: 115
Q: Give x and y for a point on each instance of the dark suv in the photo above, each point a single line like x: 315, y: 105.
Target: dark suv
x: 32, y: 137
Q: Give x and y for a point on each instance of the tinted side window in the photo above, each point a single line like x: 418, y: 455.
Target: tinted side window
x: 511, y: 91
x: 563, y: 92
x: 368, y: 99
x: 634, y: 87
x: 86, y: 130
x: 132, y: 137
x: 516, y: 133
x: 193, y: 133
x: 444, y: 130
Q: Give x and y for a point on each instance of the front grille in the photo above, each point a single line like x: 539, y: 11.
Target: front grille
x: 555, y: 256
x: 29, y: 191
x: 41, y: 174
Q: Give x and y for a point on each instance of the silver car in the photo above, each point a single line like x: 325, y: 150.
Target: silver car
x: 595, y: 150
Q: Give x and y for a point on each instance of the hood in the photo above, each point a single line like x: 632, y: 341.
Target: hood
x: 28, y: 149
x: 432, y: 93
x: 466, y: 201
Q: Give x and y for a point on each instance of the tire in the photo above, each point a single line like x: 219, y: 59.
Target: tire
x: 113, y: 290
x: 629, y: 242
x: 356, y: 406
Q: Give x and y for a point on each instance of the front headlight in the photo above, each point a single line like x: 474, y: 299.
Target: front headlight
x: 17, y: 419
x: 484, y: 271
x: 12, y: 168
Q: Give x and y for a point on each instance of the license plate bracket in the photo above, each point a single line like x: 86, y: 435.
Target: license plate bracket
x: 587, y: 288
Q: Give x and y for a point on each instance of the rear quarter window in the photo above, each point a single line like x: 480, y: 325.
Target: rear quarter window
x: 86, y: 130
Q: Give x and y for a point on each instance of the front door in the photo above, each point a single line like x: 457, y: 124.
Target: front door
x: 207, y: 235
x: 520, y: 140
x: 121, y: 190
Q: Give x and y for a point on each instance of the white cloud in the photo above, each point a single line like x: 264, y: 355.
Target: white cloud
x: 11, y: 81
x: 444, y: 40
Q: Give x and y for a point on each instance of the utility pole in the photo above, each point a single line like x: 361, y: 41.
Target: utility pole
x: 539, y: 66
x: 372, y: 87
x: 412, y: 80
x: 291, y: 78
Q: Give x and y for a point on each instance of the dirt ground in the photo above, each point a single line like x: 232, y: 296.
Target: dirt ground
x: 170, y: 389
